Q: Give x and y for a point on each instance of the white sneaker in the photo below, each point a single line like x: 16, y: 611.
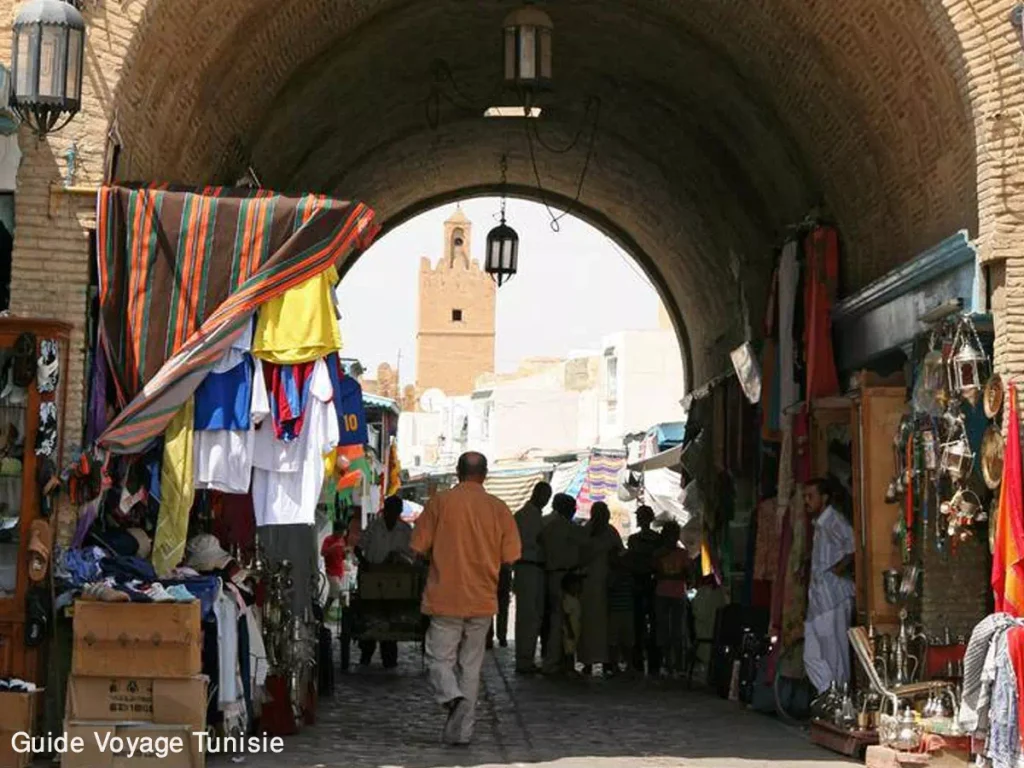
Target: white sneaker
x: 158, y: 594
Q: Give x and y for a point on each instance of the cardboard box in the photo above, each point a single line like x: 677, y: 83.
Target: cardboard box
x: 152, y: 640
x: 18, y: 713
x: 164, y: 701
x: 93, y: 756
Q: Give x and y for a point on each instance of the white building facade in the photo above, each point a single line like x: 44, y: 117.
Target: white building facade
x: 592, y: 400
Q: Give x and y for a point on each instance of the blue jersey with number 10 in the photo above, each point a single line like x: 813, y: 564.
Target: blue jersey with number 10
x: 348, y: 402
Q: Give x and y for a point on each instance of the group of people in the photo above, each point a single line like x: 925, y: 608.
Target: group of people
x: 590, y: 599
x: 600, y: 599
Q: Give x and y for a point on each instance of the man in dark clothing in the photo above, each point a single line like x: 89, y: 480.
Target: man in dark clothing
x: 642, y: 545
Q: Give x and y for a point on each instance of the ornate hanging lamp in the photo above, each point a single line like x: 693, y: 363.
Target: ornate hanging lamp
x: 968, y: 364
x: 502, y: 260
x: 47, y: 55
x: 528, y: 34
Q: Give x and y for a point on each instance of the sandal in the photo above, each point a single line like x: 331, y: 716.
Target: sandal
x: 39, y: 540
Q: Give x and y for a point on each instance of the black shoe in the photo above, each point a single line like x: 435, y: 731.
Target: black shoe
x: 503, y: 643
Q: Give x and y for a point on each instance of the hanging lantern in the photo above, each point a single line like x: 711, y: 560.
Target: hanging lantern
x: 528, y: 34
x: 502, y: 252
x: 47, y: 57
x: 969, y: 369
x: 502, y: 258
x: 957, y: 459
x: 968, y: 364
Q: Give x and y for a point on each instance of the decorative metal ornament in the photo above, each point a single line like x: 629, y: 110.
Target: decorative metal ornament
x: 992, y: 448
x: 993, y: 396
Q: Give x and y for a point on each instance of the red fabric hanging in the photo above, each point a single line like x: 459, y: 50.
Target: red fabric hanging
x: 1015, y: 649
x: 821, y: 286
x: 1008, y: 552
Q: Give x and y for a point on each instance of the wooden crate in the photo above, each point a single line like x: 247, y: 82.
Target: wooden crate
x: 137, y: 639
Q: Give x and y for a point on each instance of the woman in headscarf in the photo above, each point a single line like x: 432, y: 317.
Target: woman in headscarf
x: 600, y: 543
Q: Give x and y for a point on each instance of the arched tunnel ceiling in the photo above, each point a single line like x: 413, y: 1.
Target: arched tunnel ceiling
x: 721, y: 120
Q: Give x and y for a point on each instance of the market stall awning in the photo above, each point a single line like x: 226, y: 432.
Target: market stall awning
x: 665, y: 460
x: 514, y: 489
x: 382, y: 403
x: 181, y: 272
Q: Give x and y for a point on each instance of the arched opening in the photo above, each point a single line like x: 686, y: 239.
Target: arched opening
x: 696, y: 137
x: 576, y: 352
x: 719, y: 126
x: 592, y: 217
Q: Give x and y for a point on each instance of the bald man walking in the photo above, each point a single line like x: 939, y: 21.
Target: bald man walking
x: 468, y: 535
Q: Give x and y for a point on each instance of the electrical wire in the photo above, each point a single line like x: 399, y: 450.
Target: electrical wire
x: 556, y: 219
x: 630, y: 262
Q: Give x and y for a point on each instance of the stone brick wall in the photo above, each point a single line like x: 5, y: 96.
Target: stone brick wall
x: 452, y: 353
x: 721, y: 123
x: 955, y: 587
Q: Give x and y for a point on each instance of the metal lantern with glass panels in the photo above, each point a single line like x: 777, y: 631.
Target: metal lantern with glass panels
x: 528, y: 49
x: 47, y: 60
x: 502, y: 253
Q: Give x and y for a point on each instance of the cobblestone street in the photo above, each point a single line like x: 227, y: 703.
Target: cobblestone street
x: 379, y: 719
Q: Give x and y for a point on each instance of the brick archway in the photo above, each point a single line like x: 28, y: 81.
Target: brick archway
x: 722, y: 122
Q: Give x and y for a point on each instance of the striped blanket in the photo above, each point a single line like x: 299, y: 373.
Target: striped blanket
x: 182, y: 271
x: 601, y: 481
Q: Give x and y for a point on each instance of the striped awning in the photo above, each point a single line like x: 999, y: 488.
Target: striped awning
x: 182, y: 271
x: 514, y: 489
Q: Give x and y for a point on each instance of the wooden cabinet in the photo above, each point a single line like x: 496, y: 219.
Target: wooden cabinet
x: 20, y: 413
x: 877, y: 414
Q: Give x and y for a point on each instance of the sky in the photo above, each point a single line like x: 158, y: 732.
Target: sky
x: 573, y: 287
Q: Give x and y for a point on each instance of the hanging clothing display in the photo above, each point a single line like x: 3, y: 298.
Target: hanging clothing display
x: 177, y: 491
x: 172, y: 305
x: 288, y: 477
x: 771, y: 412
x: 348, y: 402
x: 1008, y: 551
x: 821, y: 287
x: 301, y: 325
x: 768, y: 541
x: 289, y: 392
x: 228, y: 409
x: 789, y: 281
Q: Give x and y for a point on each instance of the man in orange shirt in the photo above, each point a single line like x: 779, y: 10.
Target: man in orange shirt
x: 468, y: 535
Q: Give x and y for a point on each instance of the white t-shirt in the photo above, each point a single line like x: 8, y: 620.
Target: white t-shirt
x: 224, y: 457
x: 287, y: 477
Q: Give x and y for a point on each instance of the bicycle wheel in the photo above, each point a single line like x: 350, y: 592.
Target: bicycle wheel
x: 792, y: 688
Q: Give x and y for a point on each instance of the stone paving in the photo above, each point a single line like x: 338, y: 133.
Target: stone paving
x: 380, y: 719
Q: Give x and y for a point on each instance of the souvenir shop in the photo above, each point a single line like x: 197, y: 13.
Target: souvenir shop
x: 890, y: 394
x: 165, y: 580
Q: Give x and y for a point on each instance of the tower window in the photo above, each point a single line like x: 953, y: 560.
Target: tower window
x: 458, y: 241
x: 456, y: 315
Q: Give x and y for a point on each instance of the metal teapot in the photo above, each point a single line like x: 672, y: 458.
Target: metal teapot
x: 909, y: 733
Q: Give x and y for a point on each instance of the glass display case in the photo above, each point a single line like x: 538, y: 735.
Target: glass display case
x: 33, y: 392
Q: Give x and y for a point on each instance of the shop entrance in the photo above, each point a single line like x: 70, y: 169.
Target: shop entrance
x: 701, y: 138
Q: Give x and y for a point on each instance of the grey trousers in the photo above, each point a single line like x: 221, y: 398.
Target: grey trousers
x: 529, y: 588
x: 455, y: 653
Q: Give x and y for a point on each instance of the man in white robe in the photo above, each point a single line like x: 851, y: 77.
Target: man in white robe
x: 830, y: 594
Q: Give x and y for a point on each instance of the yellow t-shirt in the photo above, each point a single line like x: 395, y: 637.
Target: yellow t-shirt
x: 300, y: 325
